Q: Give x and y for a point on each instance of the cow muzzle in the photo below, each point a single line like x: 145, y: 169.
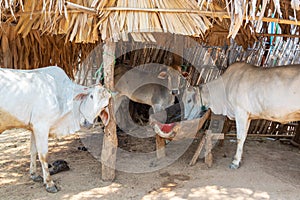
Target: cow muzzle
x: 105, y: 116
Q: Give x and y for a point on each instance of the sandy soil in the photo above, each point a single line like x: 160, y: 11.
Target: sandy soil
x: 270, y: 170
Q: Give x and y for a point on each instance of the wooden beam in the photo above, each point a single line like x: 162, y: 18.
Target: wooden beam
x: 277, y: 35
x: 261, y: 135
x: 225, y: 33
x: 268, y: 19
x: 110, y: 141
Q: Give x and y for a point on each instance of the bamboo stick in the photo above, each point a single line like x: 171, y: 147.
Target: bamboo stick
x: 80, y: 7
x: 169, y: 10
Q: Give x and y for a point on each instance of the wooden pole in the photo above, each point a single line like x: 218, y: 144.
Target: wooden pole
x: 110, y: 141
x: 261, y: 135
x: 179, y: 49
x: 160, y: 147
x: 208, y: 159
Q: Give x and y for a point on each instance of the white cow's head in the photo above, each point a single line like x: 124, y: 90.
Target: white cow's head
x: 94, y: 103
x: 194, y: 99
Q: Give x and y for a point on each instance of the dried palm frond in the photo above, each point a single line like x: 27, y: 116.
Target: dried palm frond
x: 36, y: 50
x: 88, y: 21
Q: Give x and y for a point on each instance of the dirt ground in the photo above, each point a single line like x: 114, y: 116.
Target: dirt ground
x: 270, y: 170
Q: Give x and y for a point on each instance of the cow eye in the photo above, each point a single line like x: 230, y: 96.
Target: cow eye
x: 91, y: 96
x: 189, y: 101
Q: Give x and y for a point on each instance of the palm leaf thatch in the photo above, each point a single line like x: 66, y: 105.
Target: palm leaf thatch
x: 36, y: 50
x: 258, y: 13
x: 138, y: 17
x: 83, y: 21
x: 38, y: 33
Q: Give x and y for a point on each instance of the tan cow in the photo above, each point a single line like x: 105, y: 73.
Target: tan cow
x: 152, y: 84
x: 245, y: 92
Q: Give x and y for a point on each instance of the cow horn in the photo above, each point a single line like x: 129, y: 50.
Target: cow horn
x: 161, y: 133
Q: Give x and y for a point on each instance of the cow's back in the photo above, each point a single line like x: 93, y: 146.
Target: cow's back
x: 141, y: 84
x: 270, y: 93
x: 28, y: 96
x: 130, y: 78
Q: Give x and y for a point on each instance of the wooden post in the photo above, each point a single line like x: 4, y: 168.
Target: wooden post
x: 213, y: 133
x: 179, y: 45
x: 208, y: 147
x: 110, y: 141
x: 160, y: 147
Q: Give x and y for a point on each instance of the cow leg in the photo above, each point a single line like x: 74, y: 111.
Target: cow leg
x: 242, y: 125
x: 33, y: 154
x: 41, y: 138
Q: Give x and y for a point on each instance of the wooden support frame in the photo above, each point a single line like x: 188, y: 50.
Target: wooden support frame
x: 161, y: 142
x: 110, y: 141
x: 214, y: 132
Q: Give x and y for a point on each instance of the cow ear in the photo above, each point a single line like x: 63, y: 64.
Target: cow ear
x: 162, y: 75
x: 80, y: 96
x: 105, y: 116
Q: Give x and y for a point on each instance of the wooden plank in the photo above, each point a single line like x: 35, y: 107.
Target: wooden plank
x: 261, y: 135
x: 216, y: 123
x: 198, y: 151
x: 217, y: 136
x: 110, y: 141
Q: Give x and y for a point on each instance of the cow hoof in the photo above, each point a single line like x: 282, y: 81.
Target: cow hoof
x: 37, y: 178
x: 52, y: 189
x: 233, y: 166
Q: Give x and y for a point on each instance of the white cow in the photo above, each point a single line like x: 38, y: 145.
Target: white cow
x: 48, y: 103
x: 245, y: 92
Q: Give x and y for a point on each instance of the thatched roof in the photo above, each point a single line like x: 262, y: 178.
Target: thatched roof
x: 56, y: 31
x: 83, y: 21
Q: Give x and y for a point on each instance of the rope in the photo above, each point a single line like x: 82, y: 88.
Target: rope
x: 99, y: 71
